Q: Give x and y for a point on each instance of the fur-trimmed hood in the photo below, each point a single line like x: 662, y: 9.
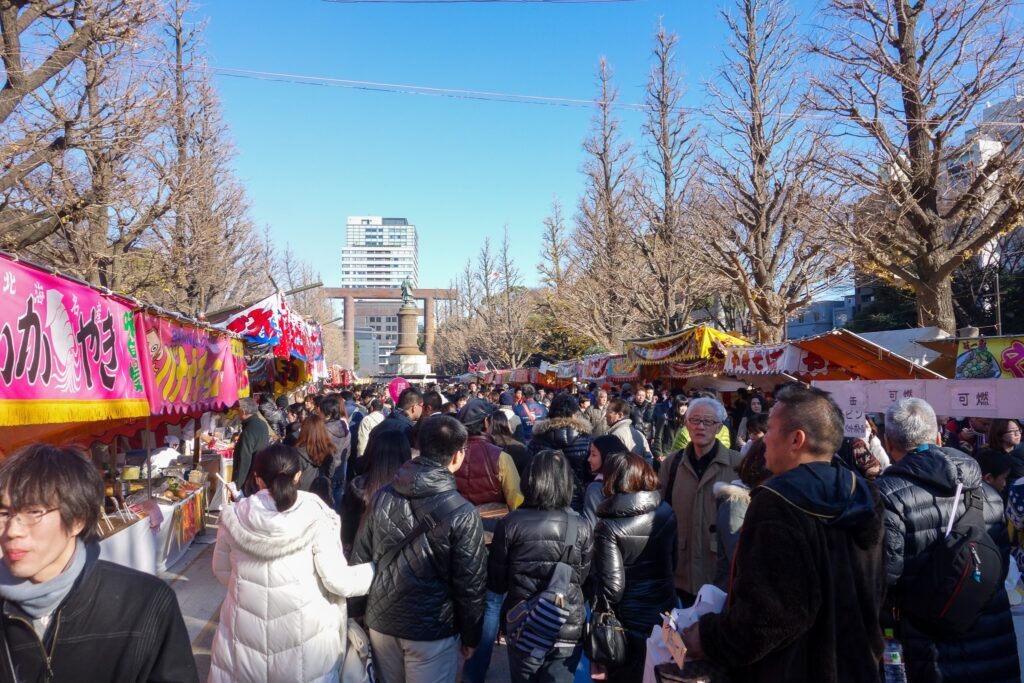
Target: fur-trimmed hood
x: 263, y: 532
x: 735, y: 491
x: 551, y: 424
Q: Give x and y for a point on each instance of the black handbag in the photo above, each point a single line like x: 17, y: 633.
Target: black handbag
x: 605, y: 639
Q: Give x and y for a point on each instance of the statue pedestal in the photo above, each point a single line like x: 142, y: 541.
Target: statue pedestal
x: 407, y: 360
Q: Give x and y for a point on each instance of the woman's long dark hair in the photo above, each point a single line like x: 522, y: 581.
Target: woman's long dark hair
x: 277, y: 466
x: 385, y: 454
x: 501, y: 430
x: 548, y: 481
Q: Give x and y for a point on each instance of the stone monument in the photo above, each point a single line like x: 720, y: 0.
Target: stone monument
x: 407, y: 360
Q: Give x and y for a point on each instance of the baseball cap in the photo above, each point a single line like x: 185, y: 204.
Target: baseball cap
x: 476, y: 410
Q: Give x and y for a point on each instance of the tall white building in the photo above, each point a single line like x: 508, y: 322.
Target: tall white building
x: 378, y: 252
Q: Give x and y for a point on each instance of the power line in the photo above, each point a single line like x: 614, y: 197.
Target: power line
x: 514, y: 98
x: 477, y: 2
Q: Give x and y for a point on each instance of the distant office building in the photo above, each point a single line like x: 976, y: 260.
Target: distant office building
x: 820, y: 317
x: 367, y: 352
x: 378, y: 253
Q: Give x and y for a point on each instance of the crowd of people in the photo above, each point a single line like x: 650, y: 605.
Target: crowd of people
x: 448, y: 518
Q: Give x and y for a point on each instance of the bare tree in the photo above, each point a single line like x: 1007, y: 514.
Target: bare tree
x: 554, y: 248
x: 206, y: 239
x: 599, y: 251
x: 669, y: 279
x: 47, y: 119
x: 766, y: 201
x: 490, y: 319
x: 907, y: 80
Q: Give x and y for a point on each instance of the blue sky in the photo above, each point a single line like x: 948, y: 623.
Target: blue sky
x: 459, y: 169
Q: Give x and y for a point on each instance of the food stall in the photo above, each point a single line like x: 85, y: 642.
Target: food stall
x: 82, y: 366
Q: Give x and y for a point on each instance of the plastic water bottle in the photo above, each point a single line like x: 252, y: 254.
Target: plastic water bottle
x: 892, y: 660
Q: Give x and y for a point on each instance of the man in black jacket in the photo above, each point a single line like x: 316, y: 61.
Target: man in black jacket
x: 807, y: 580
x: 431, y: 596
x: 66, y: 615
x: 403, y: 418
x: 642, y: 411
x: 255, y: 437
x: 918, y: 492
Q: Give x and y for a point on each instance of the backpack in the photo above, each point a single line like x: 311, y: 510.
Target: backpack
x: 532, y: 626
x: 964, y: 570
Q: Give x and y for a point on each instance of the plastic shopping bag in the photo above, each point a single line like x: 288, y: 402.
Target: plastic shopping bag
x: 657, y: 652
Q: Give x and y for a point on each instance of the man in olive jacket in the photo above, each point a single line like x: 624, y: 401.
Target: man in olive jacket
x: 687, y: 483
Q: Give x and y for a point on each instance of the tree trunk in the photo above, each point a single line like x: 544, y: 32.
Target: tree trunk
x: 935, y: 304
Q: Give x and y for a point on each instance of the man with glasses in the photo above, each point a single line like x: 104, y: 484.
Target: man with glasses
x: 66, y: 615
x: 687, y: 484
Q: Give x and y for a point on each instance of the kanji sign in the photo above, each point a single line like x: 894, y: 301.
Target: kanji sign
x: 67, y: 352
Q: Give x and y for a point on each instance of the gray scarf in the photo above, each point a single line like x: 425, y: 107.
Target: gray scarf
x: 40, y: 599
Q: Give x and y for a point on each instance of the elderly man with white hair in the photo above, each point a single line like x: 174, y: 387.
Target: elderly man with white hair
x: 919, y: 491
x: 687, y: 482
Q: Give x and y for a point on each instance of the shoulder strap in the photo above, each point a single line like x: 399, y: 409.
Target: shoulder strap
x: 672, y: 474
x: 429, y: 520
x: 572, y: 525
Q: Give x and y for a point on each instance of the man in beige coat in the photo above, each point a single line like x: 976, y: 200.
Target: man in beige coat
x: 687, y: 482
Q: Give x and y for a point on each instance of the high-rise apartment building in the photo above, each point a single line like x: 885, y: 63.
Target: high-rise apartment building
x: 378, y: 252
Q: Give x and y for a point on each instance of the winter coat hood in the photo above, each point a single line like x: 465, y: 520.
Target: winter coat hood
x: 421, y: 478
x: 561, y: 431
x: 827, y: 490
x: 263, y: 532
x: 939, y: 469
x: 629, y: 504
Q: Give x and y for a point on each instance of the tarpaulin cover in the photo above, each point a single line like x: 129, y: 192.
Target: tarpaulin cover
x: 778, y: 359
x: 188, y: 368
x: 595, y: 367
x: 623, y: 369
x: 691, y: 344
x: 67, y: 352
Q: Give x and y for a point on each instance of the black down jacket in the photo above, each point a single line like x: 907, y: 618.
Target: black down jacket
x: 635, y: 557
x: 917, y: 493
x: 275, y: 417
x: 435, y: 587
x: 116, y: 624
x: 571, y: 435
x: 527, y: 545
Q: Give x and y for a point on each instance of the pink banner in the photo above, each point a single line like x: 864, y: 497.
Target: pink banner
x: 67, y: 352
x: 189, y: 368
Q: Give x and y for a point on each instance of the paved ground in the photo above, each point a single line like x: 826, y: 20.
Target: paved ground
x: 200, y: 596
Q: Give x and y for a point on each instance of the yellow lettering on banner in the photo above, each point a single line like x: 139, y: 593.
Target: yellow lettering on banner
x: 173, y: 388
x: 168, y: 367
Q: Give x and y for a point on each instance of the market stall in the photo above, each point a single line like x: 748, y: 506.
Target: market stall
x: 79, y: 365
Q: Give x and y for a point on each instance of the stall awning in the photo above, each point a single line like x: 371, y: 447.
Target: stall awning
x: 863, y: 358
x: 692, y: 344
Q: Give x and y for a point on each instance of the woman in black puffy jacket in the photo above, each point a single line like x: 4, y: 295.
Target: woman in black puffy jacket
x: 634, y: 557
x: 527, y: 545
x: 565, y: 431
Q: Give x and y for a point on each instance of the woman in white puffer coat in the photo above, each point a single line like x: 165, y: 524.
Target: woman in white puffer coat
x: 279, y: 554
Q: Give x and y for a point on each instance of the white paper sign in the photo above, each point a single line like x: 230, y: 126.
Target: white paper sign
x: 948, y: 397
x: 852, y: 399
